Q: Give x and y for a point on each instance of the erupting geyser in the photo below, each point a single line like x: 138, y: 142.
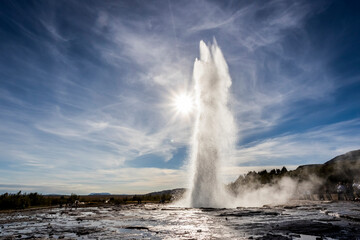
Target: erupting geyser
x: 214, y: 131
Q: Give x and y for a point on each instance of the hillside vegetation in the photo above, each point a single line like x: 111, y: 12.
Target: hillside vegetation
x: 322, y: 177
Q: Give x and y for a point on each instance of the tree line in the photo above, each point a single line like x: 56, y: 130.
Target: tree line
x: 26, y: 200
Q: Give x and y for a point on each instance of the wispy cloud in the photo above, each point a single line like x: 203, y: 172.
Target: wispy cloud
x: 124, y: 180
x: 315, y: 145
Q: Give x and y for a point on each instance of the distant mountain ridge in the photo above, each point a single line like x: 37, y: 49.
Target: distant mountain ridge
x: 170, y: 191
x: 99, y: 194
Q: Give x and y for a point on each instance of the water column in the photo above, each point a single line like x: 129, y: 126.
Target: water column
x: 214, y: 130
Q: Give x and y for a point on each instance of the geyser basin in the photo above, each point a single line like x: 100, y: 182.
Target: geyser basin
x: 338, y: 220
x: 214, y: 130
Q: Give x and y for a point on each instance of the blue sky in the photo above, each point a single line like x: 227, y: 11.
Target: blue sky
x: 86, y: 88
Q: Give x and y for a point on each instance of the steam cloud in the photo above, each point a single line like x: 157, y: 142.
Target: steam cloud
x: 273, y: 194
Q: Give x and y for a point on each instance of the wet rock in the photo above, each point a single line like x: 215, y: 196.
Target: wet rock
x: 174, y: 209
x: 248, y: 213
x: 295, y: 235
x: 212, y: 209
x: 329, y: 220
x: 137, y: 227
x: 291, y: 207
x: 271, y: 236
x: 310, y: 228
x: 350, y: 217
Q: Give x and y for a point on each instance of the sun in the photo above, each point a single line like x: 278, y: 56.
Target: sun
x: 183, y: 103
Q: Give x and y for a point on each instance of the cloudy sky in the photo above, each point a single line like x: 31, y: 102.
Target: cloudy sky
x: 87, y: 88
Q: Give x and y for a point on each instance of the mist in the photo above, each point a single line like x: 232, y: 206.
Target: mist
x: 276, y: 193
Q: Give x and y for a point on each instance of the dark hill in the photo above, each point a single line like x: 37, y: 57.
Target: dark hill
x: 349, y: 157
x: 344, y: 168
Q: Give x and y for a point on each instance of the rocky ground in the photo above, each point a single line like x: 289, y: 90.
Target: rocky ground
x: 296, y: 220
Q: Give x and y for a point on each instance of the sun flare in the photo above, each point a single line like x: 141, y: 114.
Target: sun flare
x: 183, y: 103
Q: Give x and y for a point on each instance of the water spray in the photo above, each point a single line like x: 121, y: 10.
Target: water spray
x: 214, y: 129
